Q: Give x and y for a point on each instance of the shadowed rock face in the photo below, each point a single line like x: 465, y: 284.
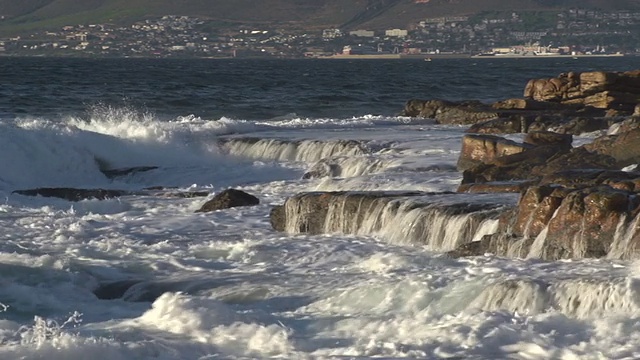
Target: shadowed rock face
x: 227, y: 199
x: 536, y: 163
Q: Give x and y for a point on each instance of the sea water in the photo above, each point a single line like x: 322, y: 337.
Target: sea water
x: 225, y: 285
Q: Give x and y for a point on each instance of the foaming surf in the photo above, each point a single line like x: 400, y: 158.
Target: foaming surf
x: 146, y: 277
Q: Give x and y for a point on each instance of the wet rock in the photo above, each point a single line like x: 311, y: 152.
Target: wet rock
x: 495, y: 187
x: 277, y: 218
x: 586, y: 222
x: 229, y: 198
x: 535, y: 208
x: 73, y: 194
x: 114, y: 290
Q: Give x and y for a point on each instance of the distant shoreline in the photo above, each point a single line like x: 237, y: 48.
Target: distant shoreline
x: 460, y: 56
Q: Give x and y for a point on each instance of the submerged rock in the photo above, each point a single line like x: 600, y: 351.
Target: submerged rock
x: 115, y: 173
x: 227, y: 199
x: 73, y: 194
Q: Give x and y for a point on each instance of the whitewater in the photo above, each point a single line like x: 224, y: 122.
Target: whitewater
x: 226, y: 285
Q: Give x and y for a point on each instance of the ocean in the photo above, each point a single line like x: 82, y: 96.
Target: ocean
x: 224, y: 284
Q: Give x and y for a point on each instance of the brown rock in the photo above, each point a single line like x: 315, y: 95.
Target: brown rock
x: 495, y: 187
x: 538, y: 138
x: 599, y: 89
x: 525, y: 104
x: 528, y: 205
x: 586, y: 222
x: 477, y: 149
x: 447, y: 112
x: 278, y: 217
x: 504, y: 125
x: 624, y: 148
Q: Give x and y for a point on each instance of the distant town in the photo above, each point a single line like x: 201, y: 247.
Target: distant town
x: 572, y: 32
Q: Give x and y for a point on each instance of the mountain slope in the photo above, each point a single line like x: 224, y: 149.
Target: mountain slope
x: 309, y: 14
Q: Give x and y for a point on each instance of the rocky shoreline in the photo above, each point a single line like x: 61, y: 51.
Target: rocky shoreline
x: 574, y: 202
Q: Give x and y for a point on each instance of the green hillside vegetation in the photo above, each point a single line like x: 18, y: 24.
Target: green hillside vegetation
x: 29, y: 15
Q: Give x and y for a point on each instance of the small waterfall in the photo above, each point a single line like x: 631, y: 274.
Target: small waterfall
x: 577, y: 298
x: 302, y: 150
x: 522, y: 296
x: 349, y: 166
x: 622, y: 246
x: 397, y: 218
x: 590, y: 298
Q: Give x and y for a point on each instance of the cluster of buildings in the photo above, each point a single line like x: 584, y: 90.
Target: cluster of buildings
x: 500, y: 33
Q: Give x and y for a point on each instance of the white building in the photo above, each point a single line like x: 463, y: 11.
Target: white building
x: 396, y: 33
x: 362, y: 33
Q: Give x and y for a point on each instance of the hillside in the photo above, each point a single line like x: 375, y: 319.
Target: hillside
x: 29, y: 15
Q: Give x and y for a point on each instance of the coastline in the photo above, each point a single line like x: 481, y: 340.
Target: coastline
x: 460, y: 56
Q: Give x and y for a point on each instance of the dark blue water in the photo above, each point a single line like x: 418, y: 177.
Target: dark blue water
x: 264, y: 89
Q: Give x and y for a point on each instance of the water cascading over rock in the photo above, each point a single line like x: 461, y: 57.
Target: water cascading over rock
x: 284, y: 150
x: 440, y: 221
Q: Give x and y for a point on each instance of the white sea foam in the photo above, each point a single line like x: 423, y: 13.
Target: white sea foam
x: 226, y: 285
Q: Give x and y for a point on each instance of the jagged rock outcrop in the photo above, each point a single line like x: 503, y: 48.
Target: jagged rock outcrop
x: 598, y: 89
x: 448, y: 112
x: 227, y: 199
x: 537, y: 162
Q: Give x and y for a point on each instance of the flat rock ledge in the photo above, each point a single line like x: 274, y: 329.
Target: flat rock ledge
x: 441, y: 221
